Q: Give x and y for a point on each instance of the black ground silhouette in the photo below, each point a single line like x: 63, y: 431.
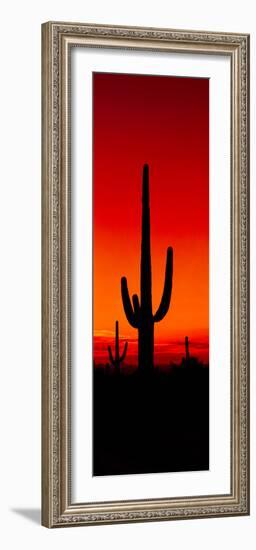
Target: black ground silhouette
x: 153, y: 423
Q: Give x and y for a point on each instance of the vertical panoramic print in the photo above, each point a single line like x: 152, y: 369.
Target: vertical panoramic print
x: 150, y: 274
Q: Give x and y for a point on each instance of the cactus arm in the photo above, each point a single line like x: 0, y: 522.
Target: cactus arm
x: 124, y: 352
x: 136, y: 305
x: 129, y: 312
x: 166, y: 297
x: 111, y: 355
x: 117, y: 342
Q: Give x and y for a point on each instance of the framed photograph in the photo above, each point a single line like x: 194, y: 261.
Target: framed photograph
x: 145, y: 274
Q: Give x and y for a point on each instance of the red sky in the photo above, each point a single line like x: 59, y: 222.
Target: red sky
x: 164, y: 122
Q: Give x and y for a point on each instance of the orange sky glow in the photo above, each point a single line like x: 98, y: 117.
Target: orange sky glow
x: 164, y: 122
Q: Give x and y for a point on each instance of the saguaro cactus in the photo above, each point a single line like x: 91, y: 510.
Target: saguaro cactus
x: 139, y: 314
x: 187, y: 357
x: 117, y: 360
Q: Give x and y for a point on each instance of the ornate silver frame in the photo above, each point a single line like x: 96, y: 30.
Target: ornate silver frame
x: 57, y: 41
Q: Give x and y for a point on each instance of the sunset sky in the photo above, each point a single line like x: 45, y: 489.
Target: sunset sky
x: 164, y: 122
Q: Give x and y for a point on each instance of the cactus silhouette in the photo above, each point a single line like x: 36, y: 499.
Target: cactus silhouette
x: 187, y: 350
x: 118, y: 359
x: 139, y: 314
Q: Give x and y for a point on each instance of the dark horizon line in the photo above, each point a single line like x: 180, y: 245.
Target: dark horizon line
x: 135, y: 365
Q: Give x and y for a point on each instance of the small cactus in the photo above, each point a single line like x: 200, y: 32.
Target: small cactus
x: 187, y: 356
x: 118, y: 359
